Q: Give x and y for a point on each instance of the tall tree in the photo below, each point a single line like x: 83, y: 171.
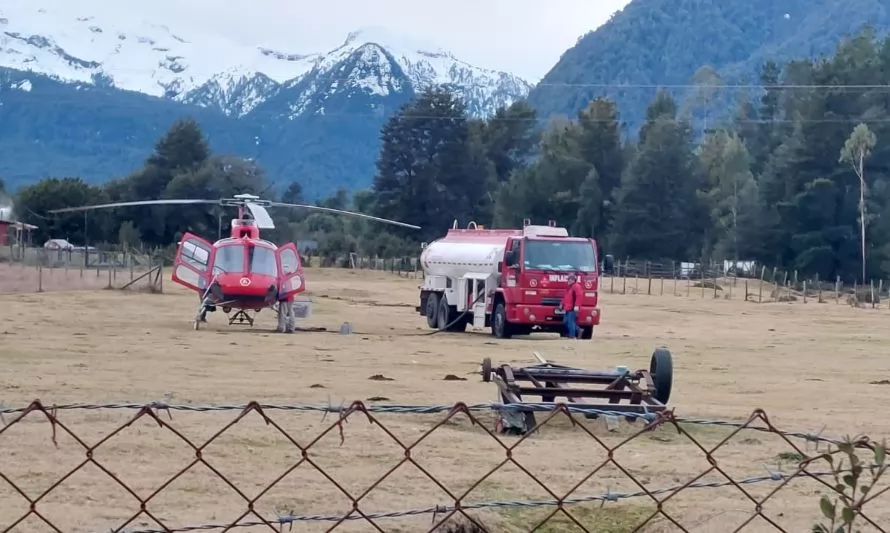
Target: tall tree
x: 600, y: 143
x: 663, y: 106
x: 510, y: 137
x: 658, y: 191
x: 551, y: 188
x: 855, y: 151
x: 707, y: 83
x: 731, y: 196
x: 181, y: 150
x: 426, y: 173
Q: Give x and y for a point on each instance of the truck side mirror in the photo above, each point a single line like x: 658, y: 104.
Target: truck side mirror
x: 608, y: 263
x: 500, y: 266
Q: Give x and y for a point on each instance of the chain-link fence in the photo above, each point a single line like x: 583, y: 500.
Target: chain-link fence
x: 164, y: 467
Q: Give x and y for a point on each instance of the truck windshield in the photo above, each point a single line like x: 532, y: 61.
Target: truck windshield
x: 562, y: 256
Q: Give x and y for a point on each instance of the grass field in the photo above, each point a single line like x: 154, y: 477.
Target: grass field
x: 811, y: 367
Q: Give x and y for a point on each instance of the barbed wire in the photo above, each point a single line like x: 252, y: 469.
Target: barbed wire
x: 288, y: 519
x: 664, y: 417
x: 539, y: 407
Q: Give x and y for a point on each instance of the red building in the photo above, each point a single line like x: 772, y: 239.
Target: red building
x: 12, y: 231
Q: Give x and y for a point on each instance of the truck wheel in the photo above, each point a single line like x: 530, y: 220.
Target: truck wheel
x: 432, y: 310
x: 661, y: 366
x: 443, y: 315
x: 587, y: 333
x: 500, y: 328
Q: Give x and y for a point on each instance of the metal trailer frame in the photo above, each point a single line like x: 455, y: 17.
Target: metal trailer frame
x: 551, y: 381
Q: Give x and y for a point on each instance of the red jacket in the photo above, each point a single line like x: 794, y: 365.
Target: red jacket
x: 572, y: 297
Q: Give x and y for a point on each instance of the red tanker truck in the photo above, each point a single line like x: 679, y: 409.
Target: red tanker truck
x: 511, y: 281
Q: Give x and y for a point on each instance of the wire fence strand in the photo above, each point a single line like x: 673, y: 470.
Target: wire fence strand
x: 633, y: 489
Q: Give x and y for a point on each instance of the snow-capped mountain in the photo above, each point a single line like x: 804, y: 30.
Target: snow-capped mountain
x: 77, y: 46
x: 88, y: 86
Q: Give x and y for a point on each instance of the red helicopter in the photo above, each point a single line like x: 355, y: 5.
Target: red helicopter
x: 242, y: 272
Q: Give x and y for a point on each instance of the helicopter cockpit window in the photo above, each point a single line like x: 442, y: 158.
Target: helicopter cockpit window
x: 289, y: 261
x: 229, y: 259
x: 262, y: 261
x: 195, y: 254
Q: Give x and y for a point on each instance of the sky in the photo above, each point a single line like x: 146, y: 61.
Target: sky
x: 523, y: 37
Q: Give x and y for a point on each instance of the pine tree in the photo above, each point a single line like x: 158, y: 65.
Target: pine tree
x: 601, y: 146
x: 732, y: 197
x: 427, y: 173
x: 658, y: 191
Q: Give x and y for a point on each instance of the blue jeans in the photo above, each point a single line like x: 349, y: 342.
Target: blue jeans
x: 571, y: 321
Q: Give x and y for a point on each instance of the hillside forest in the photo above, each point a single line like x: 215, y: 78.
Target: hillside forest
x: 785, y: 181
x: 648, y: 44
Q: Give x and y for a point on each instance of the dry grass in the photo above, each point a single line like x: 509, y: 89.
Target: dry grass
x: 809, y: 366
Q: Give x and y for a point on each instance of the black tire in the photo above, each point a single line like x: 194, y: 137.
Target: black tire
x: 500, y: 328
x: 486, y: 370
x: 443, y: 315
x: 661, y: 367
x: 587, y: 333
x: 432, y: 310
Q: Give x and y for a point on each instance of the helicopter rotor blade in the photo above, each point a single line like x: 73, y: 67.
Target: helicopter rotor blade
x: 128, y: 204
x: 341, y: 212
x: 260, y: 215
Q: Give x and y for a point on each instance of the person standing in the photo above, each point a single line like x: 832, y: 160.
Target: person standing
x: 571, y: 305
x: 286, y: 322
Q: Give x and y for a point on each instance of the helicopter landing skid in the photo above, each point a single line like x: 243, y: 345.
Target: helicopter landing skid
x: 240, y: 318
x: 201, y: 315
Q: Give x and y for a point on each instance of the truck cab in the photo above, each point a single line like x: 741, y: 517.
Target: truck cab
x: 511, y: 281
x: 534, y: 278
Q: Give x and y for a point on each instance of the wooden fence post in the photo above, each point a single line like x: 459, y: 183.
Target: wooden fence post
x: 715, y: 284
x: 674, y: 275
x: 871, y: 284
x: 649, y: 275
x: 701, y: 281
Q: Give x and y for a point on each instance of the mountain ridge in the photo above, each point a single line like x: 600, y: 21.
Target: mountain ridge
x: 651, y: 44
x: 310, y: 116
x: 210, y: 71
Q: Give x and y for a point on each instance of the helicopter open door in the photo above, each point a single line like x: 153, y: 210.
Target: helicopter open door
x: 193, y: 263
x: 291, y: 270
